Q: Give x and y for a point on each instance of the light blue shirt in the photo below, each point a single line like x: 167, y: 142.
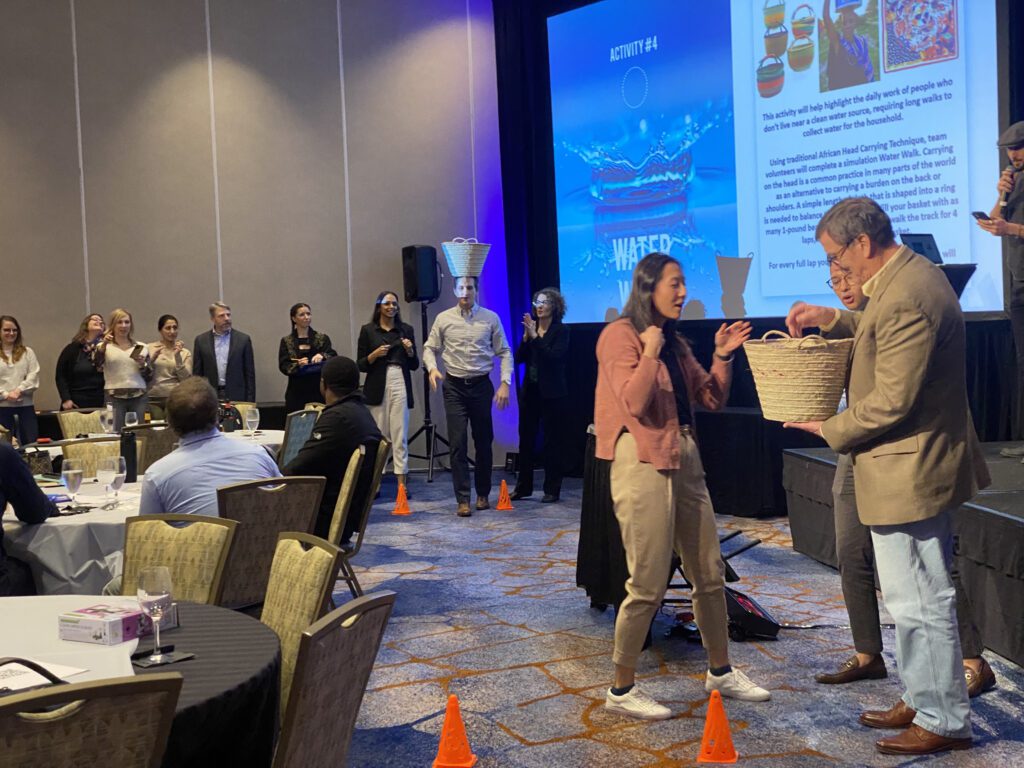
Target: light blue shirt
x: 186, y: 480
x: 221, y: 346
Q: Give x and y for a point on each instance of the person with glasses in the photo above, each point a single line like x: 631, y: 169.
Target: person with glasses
x: 543, y: 393
x: 300, y: 357
x: 386, y: 353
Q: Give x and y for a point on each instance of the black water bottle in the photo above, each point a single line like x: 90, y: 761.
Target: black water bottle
x: 129, y: 450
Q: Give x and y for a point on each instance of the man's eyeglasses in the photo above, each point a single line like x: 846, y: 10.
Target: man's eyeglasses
x: 846, y: 281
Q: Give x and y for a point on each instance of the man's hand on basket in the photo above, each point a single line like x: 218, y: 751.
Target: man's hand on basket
x: 814, y: 427
x: 729, y: 338
x: 803, y: 315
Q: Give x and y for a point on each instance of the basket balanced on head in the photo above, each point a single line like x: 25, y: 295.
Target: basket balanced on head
x: 465, y: 257
x: 798, y: 379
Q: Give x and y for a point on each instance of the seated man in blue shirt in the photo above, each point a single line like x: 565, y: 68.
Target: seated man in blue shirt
x: 30, y: 506
x: 186, y: 480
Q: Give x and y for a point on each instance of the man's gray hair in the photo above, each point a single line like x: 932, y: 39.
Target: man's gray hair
x: 851, y: 217
x: 218, y: 305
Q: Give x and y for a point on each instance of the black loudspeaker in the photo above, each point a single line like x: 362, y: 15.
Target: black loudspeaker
x: 419, y: 273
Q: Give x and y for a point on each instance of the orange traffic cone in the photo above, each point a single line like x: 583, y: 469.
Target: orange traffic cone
x: 454, y: 751
x: 716, y: 746
x: 504, y: 502
x: 402, y: 502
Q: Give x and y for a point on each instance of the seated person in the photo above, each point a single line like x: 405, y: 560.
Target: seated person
x: 344, y: 425
x: 186, y: 480
x: 30, y: 504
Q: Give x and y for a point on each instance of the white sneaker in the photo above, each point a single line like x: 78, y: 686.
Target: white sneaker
x: 736, y: 685
x: 636, y: 703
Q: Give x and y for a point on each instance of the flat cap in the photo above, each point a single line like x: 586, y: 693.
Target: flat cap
x: 1013, y: 136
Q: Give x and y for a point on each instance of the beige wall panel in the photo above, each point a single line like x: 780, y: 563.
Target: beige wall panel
x: 40, y: 223
x: 279, y: 139
x: 148, y: 160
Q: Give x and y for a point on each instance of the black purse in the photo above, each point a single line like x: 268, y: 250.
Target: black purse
x: 38, y: 460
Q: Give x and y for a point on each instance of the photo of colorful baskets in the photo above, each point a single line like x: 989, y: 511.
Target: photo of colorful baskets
x: 775, y: 41
x: 465, y: 256
x: 801, y: 54
x: 771, y: 76
x: 802, y: 21
x: 774, y: 13
x: 798, y: 379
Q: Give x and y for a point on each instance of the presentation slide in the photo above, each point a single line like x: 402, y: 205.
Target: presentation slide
x: 721, y: 132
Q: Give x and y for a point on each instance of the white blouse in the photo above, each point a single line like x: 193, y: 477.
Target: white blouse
x: 23, y: 375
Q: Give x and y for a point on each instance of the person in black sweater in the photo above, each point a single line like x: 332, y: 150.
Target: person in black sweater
x: 386, y: 353
x: 31, y: 506
x: 300, y: 357
x: 543, y: 394
x: 79, y: 383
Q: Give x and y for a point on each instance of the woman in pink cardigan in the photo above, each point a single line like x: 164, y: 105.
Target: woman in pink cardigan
x: 647, y: 384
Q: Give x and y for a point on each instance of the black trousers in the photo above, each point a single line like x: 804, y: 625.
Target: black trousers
x: 1017, y: 325
x: 535, y: 412
x: 856, y: 555
x: 467, y: 404
x: 15, y: 578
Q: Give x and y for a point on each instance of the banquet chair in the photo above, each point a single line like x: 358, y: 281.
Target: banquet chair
x: 301, y: 579
x: 122, y: 721
x: 5, y: 435
x: 263, y: 509
x: 90, y: 451
x: 194, y: 548
x: 298, y: 426
x: 348, y: 489
x: 335, y: 658
x: 79, y: 421
x: 345, y: 571
x: 155, y: 442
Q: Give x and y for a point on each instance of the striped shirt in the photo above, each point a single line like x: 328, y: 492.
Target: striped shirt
x: 468, y: 344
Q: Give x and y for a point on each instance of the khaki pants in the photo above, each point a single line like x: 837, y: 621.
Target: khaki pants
x: 392, y: 417
x: 658, y: 511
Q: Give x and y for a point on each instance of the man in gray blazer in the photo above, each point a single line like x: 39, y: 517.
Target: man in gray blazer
x: 224, y: 356
x: 915, y: 457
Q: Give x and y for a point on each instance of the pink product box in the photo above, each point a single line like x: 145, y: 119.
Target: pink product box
x: 110, y: 624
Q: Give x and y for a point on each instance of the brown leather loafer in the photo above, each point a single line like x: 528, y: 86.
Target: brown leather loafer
x: 918, y: 741
x: 464, y: 510
x: 482, y: 502
x: 897, y: 716
x: 979, y: 682
x: 852, y: 670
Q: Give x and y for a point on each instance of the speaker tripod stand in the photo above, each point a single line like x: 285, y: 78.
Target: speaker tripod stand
x: 429, y: 430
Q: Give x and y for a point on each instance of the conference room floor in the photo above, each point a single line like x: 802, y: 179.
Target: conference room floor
x: 488, y: 609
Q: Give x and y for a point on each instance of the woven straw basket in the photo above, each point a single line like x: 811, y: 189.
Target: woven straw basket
x: 465, y: 256
x: 798, y: 379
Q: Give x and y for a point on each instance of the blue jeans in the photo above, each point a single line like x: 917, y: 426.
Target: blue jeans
x: 913, y: 562
x: 136, y: 405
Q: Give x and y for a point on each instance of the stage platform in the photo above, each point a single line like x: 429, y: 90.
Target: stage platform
x: 989, y: 530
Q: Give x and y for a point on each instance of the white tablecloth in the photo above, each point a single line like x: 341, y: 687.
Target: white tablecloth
x: 77, y: 554
x: 269, y: 438
x: 30, y: 631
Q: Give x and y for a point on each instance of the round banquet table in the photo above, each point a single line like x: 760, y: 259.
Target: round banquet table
x: 227, y: 712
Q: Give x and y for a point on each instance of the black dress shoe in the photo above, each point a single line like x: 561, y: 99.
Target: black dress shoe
x: 517, y: 494
x: 549, y: 498
x: 852, y: 670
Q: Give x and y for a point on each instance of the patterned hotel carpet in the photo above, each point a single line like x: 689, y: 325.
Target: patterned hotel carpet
x: 488, y: 609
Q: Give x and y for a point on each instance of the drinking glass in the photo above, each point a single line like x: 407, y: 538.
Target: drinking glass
x: 105, y: 471
x: 71, y: 472
x: 131, y: 419
x: 107, y: 420
x: 111, y: 471
x: 252, y: 421
x: 154, y: 593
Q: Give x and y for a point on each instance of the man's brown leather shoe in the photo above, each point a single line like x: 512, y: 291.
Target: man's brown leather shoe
x: 918, y: 741
x: 897, y: 716
x: 852, y: 670
x: 482, y: 502
x: 979, y: 682
x: 464, y: 510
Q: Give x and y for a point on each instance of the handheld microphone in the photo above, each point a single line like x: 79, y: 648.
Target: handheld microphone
x: 1003, y: 198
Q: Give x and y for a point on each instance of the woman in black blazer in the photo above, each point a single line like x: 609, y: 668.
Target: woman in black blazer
x: 386, y: 352
x: 543, y: 395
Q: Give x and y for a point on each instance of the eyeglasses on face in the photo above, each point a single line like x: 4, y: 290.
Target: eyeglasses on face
x: 542, y: 302
x: 388, y: 303
x: 846, y: 281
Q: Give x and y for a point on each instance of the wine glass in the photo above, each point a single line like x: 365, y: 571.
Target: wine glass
x: 107, y: 420
x: 71, y: 472
x: 111, y: 472
x: 131, y: 419
x: 154, y: 593
x: 252, y: 421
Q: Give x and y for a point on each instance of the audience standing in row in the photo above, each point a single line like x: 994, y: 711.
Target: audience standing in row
x: 79, y: 384
x: 300, y: 357
x: 19, y: 379
x: 172, y: 364
x: 126, y: 368
x: 225, y: 357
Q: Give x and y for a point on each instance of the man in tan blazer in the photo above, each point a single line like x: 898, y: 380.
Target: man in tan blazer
x: 915, y: 458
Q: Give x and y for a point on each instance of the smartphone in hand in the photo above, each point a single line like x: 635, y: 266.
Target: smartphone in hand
x: 136, y: 352
x: 980, y: 215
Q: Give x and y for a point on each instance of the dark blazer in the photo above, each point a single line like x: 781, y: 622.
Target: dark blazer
x: 548, y: 354
x: 376, y: 372
x: 240, y: 377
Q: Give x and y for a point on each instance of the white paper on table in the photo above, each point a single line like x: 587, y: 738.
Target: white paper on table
x: 17, y: 677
